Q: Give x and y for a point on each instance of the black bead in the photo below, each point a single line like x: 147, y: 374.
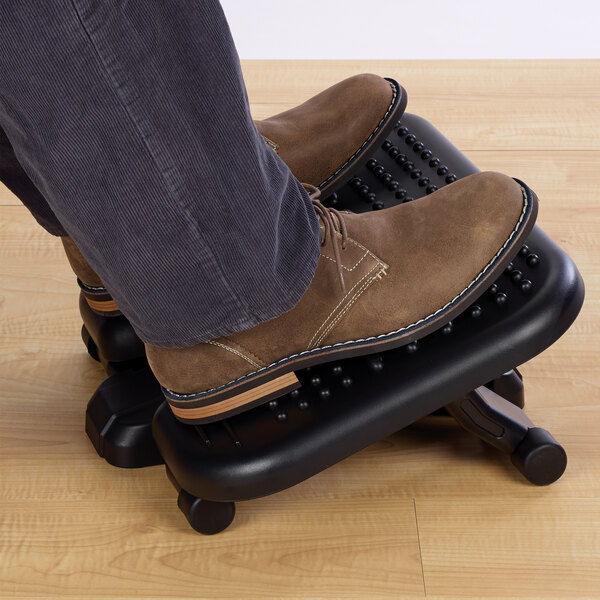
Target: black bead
x: 333, y: 200
x: 434, y: 162
x: 426, y: 154
x: 418, y: 146
x: 410, y: 139
x: 516, y: 275
x: 273, y: 404
x: 378, y: 170
x: 431, y: 188
x: 401, y: 159
x: 303, y: 405
x: 408, y: 166
x: 386, y: 177
x: 316, y: 381
x: 355, y: 183
x: 476, y: 312
x: 451, y: 178
x: 533, y: 260
x: 442, y: 170
x: 402, y: 131
x: 346, y: 382
x: 371, y: 197
x: 281, y: 417
x: 325, y: 393
x: 409, y: 199
x: 416, y: 174
x: 423, y: 181
x: 371, y: 164
x: 448, y: 328
x: 376, y: 363
x: 386, y: 145
x: 493, y: 289
x: 363, y: 191
x: 394, y: 151
x: 294, y: 393
x: 401, y: 194
x: 378, y: 205
x: 393, y: 186
x: 337, y: 370
x: 526, y: 285
x: 500, y: 298
x: 509, y: 267
x: 524, y: 250
x: 412, y: 347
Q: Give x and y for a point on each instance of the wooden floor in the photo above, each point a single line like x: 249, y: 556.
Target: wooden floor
x: 429, y: 512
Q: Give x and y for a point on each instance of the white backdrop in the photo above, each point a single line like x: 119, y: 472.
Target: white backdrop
x: 396, y: 29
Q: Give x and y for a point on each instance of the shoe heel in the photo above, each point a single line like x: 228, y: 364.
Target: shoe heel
x: 233, y: 404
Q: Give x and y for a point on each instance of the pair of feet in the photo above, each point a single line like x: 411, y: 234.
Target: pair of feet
x: 383, y: 279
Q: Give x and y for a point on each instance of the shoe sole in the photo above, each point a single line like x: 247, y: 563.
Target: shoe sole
x: 377, y: 137
x: 277, y: 379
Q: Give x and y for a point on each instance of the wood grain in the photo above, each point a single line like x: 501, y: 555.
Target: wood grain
x: 428, y: 512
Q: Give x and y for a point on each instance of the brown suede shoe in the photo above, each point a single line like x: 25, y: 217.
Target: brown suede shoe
x: 384, y: 279
x: 92, y: 288
x: 327, y: 138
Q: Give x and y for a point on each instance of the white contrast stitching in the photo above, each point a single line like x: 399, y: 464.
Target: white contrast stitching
x: 350, y: 303
x: 198, y: 395
x: 329, y: 316
x: 237, y: 352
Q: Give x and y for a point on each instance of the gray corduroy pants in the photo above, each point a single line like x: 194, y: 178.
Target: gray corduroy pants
x: 125, y: 124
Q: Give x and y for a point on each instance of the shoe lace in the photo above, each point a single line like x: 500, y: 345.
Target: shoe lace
x: 333, y: 222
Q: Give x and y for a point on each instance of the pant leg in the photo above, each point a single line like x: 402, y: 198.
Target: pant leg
x: 132, y: 119
x: 16, y: 180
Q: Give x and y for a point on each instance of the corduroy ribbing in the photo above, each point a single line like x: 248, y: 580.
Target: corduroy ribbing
x: 132, y: 120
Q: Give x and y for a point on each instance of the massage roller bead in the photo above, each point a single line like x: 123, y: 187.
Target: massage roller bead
x: 401, y: 159
x: 294, y: 393
x: 524, y: 250
x: 394, y: 151
x: 410, y: 139
x: 509, y: 267
x: 393, y: 186
x: 516, y: 276
x: 325, y: 393
x: 281, y: 417
x: 451, y: 178
x: 337, y: 370
x: 333, y: 199
x: 533, y: 260
x: 402, y: 131
x: 412, y: 347
x: 376, y: 363
x: 386, y: 145
x: 346, y: 382
x: 386, y: 177
x: 426, y: 154
x: 442, y: 170
x: 401, y: 194
x: 408, y: 166
x: 500, y: 298
x: 431, y: 188
x: 315, y: 381
x: 378, y: 205
x: 355, y: 183
x: 409, y: 199
x: 448, y: 328
x: 434, y: 162
x: 363, y: 191
x: 371, y: 164
x: 423, y: 181
x: 418, y: 146
x: 493, y: 289
x: 378, y: 170
x: 526, y: 285
x: 371, y: 197
x: 416, y: 174
x: 303, y: 405
x: 273, y: 404
x: 476, y: 312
